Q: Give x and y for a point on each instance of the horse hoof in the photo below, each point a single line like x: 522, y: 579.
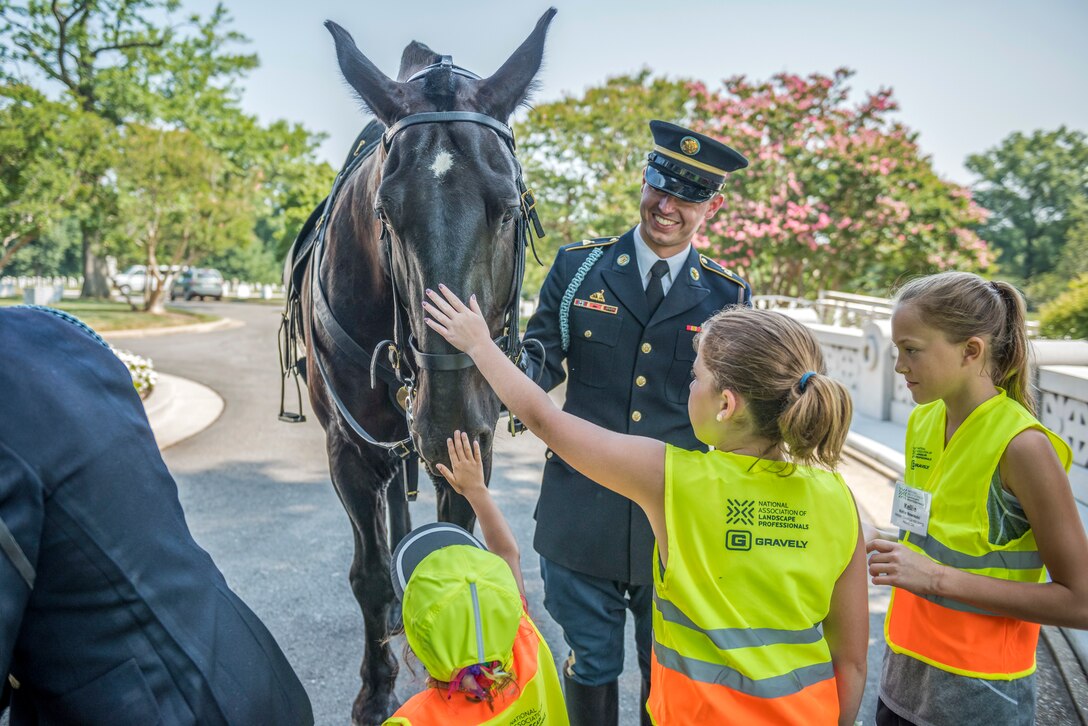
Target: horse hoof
x: 371, y: 711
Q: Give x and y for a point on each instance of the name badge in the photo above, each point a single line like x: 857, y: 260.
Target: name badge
x: 910, y: 508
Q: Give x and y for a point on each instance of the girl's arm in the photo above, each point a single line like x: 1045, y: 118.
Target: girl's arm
x: 467, y: 479
x: 633, y: 466
x: 846, y: 629
x: 1031, y: 470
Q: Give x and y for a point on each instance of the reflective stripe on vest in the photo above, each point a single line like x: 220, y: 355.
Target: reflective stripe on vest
x: 752, y: 645
x: 536, y: 698
x: 955, y: 636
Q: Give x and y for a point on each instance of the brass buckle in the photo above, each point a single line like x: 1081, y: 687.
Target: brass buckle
x: 531, y: 204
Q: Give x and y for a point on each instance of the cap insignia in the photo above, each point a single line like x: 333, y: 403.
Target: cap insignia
x: 694, y: 273
x: 689, y: 145
x: 597, y: 296
x: 622, y: 260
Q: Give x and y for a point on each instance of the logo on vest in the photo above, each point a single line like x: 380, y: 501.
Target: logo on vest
x: 781, y: 515
x: 920, y: 458
x: 532, y: 717
x: 740, y: 511
x: 739, y: 540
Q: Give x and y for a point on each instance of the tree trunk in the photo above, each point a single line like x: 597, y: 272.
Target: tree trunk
x: 18, y: 245
x: 95, y: 280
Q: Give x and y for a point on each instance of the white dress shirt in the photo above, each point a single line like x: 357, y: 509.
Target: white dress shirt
x: 647, y: 257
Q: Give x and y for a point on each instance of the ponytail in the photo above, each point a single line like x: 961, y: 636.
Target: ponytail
x: 816, y: 421
x: 777, y: 365
x: 1011, y: 349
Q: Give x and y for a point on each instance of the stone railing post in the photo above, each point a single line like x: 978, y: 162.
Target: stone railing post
x: 875, y: 376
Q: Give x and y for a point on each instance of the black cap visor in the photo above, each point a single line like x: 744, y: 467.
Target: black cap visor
x: 421, y: 542
x: 677, y: 187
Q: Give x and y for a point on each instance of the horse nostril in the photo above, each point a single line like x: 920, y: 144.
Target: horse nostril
x: 484, y: 437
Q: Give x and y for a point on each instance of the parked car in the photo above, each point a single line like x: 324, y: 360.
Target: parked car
x: 133, y: 279
x: 195, y: 282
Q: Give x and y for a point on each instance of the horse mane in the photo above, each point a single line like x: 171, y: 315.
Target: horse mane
x: 439, y: 86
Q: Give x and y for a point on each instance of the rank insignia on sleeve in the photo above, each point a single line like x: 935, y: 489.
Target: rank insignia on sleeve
x: 591, y: 305
x: 597, y: 296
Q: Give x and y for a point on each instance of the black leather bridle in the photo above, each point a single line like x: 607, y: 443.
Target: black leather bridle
x: 404, y: 367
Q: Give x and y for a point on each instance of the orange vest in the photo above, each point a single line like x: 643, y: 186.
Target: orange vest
x: 535, y: 698
x: 947, y: 634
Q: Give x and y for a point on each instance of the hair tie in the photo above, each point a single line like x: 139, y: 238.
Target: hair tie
x: 804, y: 380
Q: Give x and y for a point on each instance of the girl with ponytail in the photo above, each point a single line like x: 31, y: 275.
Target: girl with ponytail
x: 969, y: 575
x: 760, y: 604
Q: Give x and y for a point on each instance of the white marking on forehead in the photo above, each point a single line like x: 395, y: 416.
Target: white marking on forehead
x: 442, y: 163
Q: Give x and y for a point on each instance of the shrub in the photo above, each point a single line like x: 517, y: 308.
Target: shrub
x: 1066, y: 316
x: 141, y: 369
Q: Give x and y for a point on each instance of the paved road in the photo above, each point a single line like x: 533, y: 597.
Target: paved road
x: 258, y: 497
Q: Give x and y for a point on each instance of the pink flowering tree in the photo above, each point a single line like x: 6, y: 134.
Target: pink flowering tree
x: 837, y: 196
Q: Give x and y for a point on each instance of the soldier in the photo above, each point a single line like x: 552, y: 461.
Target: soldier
x: 110, y: 613
x: 623, y: 313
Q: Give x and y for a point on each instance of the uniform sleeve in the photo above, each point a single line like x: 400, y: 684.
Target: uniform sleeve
x: 544, y: 326
x: 22, y: 512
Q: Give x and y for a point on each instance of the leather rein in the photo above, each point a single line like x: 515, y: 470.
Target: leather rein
x: 401, y: 350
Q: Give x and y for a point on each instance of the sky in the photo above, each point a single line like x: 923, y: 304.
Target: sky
x: 966, y: 73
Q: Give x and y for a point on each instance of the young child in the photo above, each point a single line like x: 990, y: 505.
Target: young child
x: 465, y: 617
x: 970, y: 580
x: 756, y: 548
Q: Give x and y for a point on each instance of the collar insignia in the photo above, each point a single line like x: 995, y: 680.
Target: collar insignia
x: 622, y: 260
x: 694, y: 273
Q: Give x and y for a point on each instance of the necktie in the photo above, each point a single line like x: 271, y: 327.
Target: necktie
x: 655, y: 291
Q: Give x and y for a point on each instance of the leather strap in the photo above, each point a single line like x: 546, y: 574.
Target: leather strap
x: 15, y: 553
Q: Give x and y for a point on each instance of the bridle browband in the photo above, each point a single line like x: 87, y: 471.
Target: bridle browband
x: 527, y: 225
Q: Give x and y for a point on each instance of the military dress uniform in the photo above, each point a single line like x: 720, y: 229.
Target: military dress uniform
x: 110, y: 613
x: 628, y: 369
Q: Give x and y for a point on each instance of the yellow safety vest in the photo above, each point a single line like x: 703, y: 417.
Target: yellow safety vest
x: 753, y: 559
x: 536, y: 698
x: 951, y: 635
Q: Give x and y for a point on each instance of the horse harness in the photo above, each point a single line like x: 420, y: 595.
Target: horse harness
x: 308, y: 249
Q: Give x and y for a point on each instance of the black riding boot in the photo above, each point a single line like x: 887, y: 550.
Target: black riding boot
x: 644, y: 714
x: 592, y: 705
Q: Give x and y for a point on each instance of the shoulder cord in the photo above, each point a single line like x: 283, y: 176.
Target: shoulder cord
x: 568, y: 296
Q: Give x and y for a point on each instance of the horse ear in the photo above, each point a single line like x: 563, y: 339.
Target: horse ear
x: 383, y: 96
x: 512, y: 84
x: 416, y: 56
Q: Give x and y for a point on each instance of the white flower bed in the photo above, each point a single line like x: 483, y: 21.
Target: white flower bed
x: 141, y: 369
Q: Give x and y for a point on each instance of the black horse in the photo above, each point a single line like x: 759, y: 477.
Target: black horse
x: 440, y: 199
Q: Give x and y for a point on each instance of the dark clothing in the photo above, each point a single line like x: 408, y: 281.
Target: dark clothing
x: 629, y: 372
x: 593, y: 613
x: 887, y: 717
x: 129, y: 621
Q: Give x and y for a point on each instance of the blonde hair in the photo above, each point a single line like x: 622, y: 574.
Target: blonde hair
x: 763, y: 355
x: 962, y: 305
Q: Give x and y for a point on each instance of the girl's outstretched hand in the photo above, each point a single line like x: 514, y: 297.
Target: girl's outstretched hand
x: 467, y: 476
x: 463, y: 326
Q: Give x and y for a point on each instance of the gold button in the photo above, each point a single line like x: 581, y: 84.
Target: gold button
x: 646, y: 347
x: 640, y: 381
x: 588, y: 333
x: 548, y: 454
x: 636, y: 416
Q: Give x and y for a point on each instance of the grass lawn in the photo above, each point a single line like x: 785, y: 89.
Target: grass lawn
x: 108, y: 316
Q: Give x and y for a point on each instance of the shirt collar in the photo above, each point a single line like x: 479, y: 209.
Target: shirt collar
x: 647, y: 257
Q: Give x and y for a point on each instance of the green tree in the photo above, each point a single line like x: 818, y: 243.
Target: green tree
x: 122, y: 61
x: 1031, y: 184
x: 180, y: 200
x: 44, y: 145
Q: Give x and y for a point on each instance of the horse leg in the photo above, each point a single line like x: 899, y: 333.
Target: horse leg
x: 360, y: 481
x: 400, y: 524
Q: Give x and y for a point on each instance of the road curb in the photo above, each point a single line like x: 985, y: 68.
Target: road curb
x: 178, y: 409
x: 221, y: 324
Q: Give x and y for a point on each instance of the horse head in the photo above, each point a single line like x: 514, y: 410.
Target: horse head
x: 446, y: 190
